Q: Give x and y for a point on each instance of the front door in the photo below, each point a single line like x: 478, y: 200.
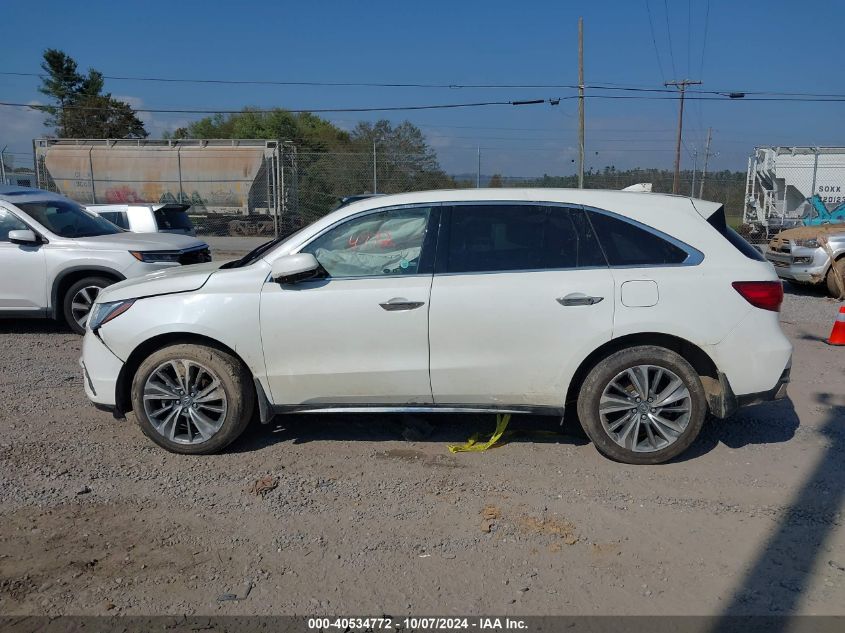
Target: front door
x: 23, y: 284
x: 360, y: 335
x: 521, y: 294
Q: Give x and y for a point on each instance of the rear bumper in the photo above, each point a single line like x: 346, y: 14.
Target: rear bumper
x: 725, y: 403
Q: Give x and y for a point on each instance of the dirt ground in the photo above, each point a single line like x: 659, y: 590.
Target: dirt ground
x: 362, y: 521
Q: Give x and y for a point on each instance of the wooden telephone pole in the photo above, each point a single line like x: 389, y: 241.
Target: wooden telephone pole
x: 682, y: 87
x: 706, y: 159
x: 580, y: 103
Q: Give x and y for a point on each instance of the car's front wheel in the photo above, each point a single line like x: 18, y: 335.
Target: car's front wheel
x: 642, y: 405
x: 79, y: 299
x: 192, y: 399
x: 838, y: 268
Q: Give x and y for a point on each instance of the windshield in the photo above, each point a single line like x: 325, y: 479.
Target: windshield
x: 67, y: 219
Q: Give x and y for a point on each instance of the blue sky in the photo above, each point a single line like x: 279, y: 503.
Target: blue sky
x: 776, y: 45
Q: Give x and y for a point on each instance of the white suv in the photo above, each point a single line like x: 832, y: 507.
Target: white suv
x: 56, y: 257
x: 638, y: 312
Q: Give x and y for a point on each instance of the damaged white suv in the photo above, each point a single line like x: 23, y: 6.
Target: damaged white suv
x: 637, y: 312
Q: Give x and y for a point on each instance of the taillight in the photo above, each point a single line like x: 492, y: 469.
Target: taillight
x: 767, y: 295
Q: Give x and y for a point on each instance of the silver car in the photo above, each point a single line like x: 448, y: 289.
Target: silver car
x: 56, y: 256
x: 798, y: 255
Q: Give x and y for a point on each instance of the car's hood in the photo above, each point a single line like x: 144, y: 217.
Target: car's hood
x: 808, y: 232
x: 139, y: 242
x: 162, y: 282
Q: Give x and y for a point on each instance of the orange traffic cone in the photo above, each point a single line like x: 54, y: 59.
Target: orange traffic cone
x: 837, y: 334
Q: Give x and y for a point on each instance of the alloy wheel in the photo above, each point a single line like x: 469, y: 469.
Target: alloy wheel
x: 82, y: 303
x: 185, y: 401
x: 645, y: 408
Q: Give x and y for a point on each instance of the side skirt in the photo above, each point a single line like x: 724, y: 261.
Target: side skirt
x: 428, y: 408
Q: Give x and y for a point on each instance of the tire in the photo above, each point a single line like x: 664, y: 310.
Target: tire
x: 75, y: 297
x: 838, y: 268
x: 197, y: 428
x: 656, y: 442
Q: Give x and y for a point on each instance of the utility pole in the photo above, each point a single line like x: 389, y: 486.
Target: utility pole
x: 682, y: 87
x: 478, y: 172
x: 375, y: 175
x: 694, y: 169
x: 580, y: 103
x: 706, y: 158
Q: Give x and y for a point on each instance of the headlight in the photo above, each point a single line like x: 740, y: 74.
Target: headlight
x: 104, y: 312
x: 808, y: 243
x: 156, y: 257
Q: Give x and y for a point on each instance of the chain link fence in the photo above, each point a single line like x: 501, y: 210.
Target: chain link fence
x: 261, y: 188
x: 792, y: 186
x: 228, y: 187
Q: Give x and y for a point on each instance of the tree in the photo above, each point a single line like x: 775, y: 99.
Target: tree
x: 495, y: 181
x: 80, y: 108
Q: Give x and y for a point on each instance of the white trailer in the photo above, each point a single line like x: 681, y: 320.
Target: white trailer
x: 781, y: 179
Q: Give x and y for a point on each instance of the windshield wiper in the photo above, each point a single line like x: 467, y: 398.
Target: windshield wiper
x: 254, y: 254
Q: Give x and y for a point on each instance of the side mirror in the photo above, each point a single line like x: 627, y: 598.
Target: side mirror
x: 292, y: 269
x: 24, y: 237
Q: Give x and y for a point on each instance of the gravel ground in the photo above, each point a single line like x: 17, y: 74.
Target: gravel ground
x: 372, y: 515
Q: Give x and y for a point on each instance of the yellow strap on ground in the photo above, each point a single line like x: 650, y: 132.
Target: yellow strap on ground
x: 472, y: 443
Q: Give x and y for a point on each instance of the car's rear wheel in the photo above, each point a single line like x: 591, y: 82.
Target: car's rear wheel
x: 79, y: 299
x: 192, y: 399
x: 838, y: 268
x: 642, y: 405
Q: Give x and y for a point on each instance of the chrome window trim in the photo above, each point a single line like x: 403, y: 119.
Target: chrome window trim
x: 694, y: 256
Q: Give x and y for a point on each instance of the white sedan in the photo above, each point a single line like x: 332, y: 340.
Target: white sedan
x: 639, y: 313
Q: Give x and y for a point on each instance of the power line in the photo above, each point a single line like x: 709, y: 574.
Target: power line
x: 704, y: 41
x: 597, y: 86
x: 669, y: 33
x: 654, y: 41
x: 295, y: 111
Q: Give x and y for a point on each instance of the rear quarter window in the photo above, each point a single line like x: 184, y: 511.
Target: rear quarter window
x: 626, y: 244
x: 719, y: 222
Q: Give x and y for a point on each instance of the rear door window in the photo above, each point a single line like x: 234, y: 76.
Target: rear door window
x: 626, y: 244
x: 504, y: 237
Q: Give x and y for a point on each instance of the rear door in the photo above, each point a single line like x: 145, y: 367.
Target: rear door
x: 521, y: 294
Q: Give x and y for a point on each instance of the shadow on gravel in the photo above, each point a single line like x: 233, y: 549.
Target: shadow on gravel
x: 775, y: 582
x: 805, y: 290
x: 767, y: 423
x: 437, y: 428
x: 33, y: 326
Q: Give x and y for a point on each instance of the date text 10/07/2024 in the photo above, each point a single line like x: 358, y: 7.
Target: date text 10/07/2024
x: 416, y: 624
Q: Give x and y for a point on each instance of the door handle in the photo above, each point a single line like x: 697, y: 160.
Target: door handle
x: 578, y: 299
x: 399, y: 304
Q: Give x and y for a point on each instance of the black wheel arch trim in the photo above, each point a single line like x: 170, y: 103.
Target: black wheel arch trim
x: 57, y: 282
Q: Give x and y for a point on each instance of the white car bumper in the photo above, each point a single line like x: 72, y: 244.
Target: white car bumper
x: 100, y: 371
